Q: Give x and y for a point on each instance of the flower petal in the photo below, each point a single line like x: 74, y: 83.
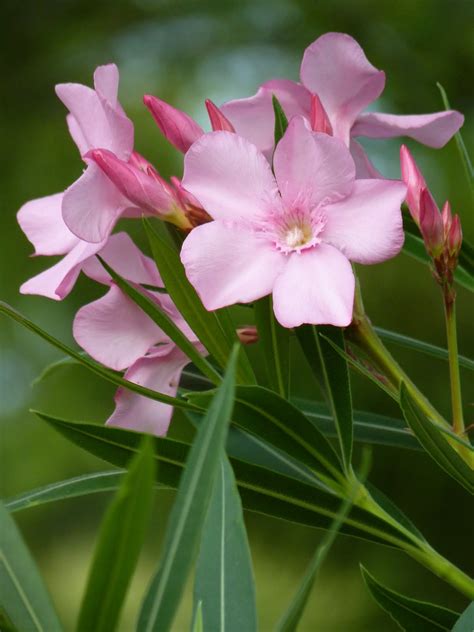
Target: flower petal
x: 433, y: 130
x: 160, y: 372
x: 42, y: 222
x: 364, y: 167
x: 115, y: 331
x: 367, y: 226
x: 336, y: 69
x: 311, y: 167
x: 92, y: 205
x: 179, y: 128
x: 229, y: 177
x: 228, y: 263
x: 315, y: 287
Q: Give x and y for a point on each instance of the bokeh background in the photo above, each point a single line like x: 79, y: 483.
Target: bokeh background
x: 185, y: 51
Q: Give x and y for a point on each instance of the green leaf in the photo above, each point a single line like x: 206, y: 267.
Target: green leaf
x: 120, y: 540
x: 224, y: 581
x: 189, y: 510
x: 281, y: 122
x: 95, y: 367
x: 268, y: 416
x: 214, y: 329
x: 465, y: 623
x: 164, y: 322
x: 410, y: 614
x: 423, y: 347
x: 197, y: 624
x: 25, y: 602
x: 463, y: 153
x: 435, y: 442
x: 274, y: 341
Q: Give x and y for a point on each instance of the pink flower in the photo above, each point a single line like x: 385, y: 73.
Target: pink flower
x: 336, y: 71
x: 117, y: 333
x: 292, y: 235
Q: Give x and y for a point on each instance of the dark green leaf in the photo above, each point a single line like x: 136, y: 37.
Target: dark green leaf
x: 281, y: 122
x: 435, y: 442
x: 410, y: 614
x: 120, y: 540
x: 95, y: 367
x: 189, y: 510
x: 274, y: 341
x: 224, y: 581
x: 214, y: 329
x: 465, y: 623
x: 25, y: 602
x: 165, y: 323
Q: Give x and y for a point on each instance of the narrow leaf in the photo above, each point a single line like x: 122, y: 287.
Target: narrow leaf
x: 95, y: 367
x: 119, y: 543
x: 25, y: 602
x: 281, y: 122
x: 197, y: 624
x: 435, y: 443
x: 410, y: 614
x: 465, y: 623
x: 224, y: 581
x: 189, y: 510
x: 274, y: 341
x: 165, y: 323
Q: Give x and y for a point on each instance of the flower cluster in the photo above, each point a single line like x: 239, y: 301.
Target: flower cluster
x: 257, y: 219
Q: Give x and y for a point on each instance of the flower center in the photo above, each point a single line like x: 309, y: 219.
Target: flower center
x: 297, y: 230
x: 298, y: 235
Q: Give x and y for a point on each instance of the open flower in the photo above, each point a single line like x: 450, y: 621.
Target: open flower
x: 292, y: 235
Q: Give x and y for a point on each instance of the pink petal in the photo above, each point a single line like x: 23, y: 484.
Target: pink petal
x: 336, y: 69
x: 315, y: 287
x: 364, y: 167
x: 253, y: 117
x: 433, y: 130
x: 179, y: 128
x: 227, y: 263
x: 367, y: 226
x: 160, y: 372
x: 311, y: 167
x: 115, y: 331
x: 229, y: 177
x: 42, y: 222
x: 106, y: 82
x: 126, y: 259
x: 92, y: 205
x: 56, y: 282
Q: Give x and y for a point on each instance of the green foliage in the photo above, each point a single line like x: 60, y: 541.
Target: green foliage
x: 465, y: 623
x: 281, y: 122
x: 274, y: 341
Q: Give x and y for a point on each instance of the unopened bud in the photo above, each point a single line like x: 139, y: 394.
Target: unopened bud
x: 447, y: 217
x: 318, y: 117
x: 219, y: 122
x: 431, y: 224
x: 454, y: 237
x: 413, y: 178
x: 247, y: 335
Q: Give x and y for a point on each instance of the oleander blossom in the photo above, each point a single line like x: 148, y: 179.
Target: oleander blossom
x: 292, y: 234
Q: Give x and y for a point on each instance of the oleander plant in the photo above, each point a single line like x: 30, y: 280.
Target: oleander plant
x: 252, y: 252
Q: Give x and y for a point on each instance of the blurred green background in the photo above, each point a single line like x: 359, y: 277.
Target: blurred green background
x: 183, y: 52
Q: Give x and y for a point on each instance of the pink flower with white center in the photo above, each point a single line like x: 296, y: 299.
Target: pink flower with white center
x: 292, y: 235
x: 337, y: 84
x: 117, y: 333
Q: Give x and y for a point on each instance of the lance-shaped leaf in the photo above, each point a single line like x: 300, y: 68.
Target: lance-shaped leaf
x: 224, y: 583
x: 465, y: 623
x: 95, y: 367
x: 119, y: 543
x: 24, y: 601
x: 410, y: 614
x: 281, y: 122
x: 189, y: 510
x: 274, y: 341
x: 214, y: 329
x: 435, y: 442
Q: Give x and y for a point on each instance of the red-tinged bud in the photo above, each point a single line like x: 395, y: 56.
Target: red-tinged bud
x: 175, y: 125
x: 431, y: 224
x: 413, y: 178
x: 454, y: 237
x: 248, y: 335
x: 447, y: 217
x: 319, y: 119
x: 219, y: 122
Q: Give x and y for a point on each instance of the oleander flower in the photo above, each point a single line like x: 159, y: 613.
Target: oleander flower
x: 292, y: 235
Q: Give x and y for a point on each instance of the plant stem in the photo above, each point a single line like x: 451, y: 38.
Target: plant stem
x: 455, y: 378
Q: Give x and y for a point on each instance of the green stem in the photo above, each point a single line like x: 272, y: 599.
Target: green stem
x: 455, y: 378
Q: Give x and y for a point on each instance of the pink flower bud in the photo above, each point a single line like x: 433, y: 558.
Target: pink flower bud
x: 175, y: 125
x: 447, y: 217
x: 454, y: 237
x: 431, y: 224
x: 247, y: 335
x: 413, y: 178
x: 219, y: 122
x: 318, y: 117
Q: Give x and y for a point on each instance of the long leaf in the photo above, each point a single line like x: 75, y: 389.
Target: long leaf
x: 165, y: 323
x: 189, y: 510
x: 410, y: 614
x: 274, y: 341
x: 214, y: 329
x: 119, y: 543
x: 465, y: 623
x: 24, y: 599
x: 224, y: 581
x: 95, y: 367
x: 281, y: 122
x: 435, y: 443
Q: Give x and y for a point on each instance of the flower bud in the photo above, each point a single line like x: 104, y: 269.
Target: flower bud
x: 447, y: 217
x: 431, y: 224
x: 175, y: 125
x: 248, y: 335
x: 413, y: 178
x: 219, y: 122
x: 454, y: 237
x: 318, y: 117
